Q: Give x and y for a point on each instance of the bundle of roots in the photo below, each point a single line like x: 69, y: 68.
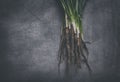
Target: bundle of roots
x: 72, y: 49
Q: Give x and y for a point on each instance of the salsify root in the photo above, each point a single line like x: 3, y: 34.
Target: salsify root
x: 72, y: 49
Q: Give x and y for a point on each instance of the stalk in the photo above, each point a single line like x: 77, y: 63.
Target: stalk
x: 72, y: 49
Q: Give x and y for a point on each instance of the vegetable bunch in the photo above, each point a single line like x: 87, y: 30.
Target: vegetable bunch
x: 72, y: 49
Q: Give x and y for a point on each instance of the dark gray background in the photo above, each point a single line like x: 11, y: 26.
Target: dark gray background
x: 29, y: 38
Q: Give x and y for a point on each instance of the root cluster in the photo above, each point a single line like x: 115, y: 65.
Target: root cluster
x: 72, y: 49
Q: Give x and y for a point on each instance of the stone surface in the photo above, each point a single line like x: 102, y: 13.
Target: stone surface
x: 29, y: 38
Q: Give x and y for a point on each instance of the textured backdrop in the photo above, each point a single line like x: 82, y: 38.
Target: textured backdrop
x: 29, y: 41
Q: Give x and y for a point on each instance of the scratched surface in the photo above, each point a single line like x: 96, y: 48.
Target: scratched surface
x: 29, y: 38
